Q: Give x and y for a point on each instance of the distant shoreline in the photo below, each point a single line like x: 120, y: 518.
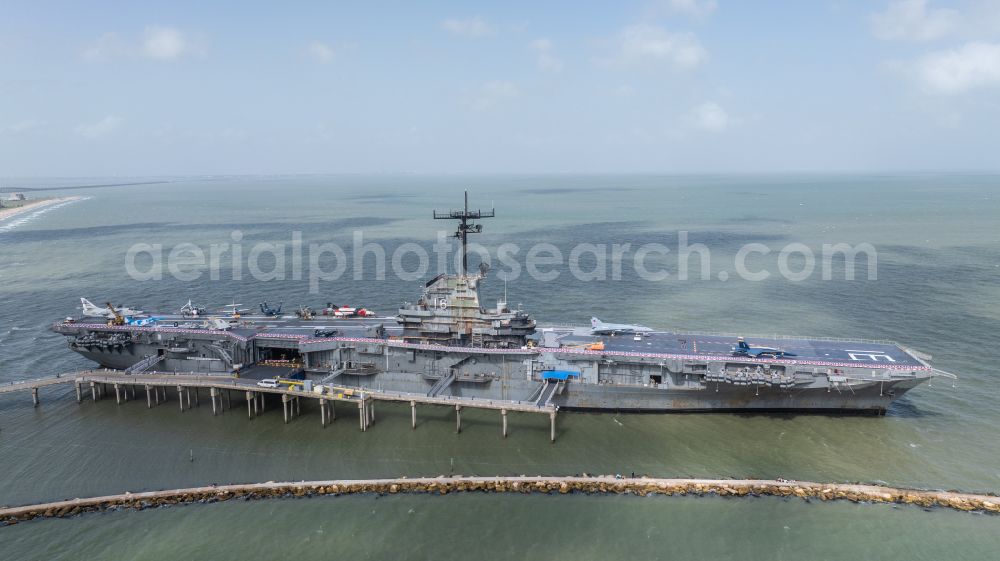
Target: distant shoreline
x: 69, y: 187
x: 6, y: 213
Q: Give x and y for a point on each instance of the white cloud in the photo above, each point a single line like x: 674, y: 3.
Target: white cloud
x: 958, y: 70
x: 912, y: 20
x: 321, y: 51
x: 494, y: 92
x: 99, y: 129
x: 710, y: 116
x: 473, y: 27
x: 546, y: 60
x: 164, y: 43
x: 157, y: 43
x: 645, y: 42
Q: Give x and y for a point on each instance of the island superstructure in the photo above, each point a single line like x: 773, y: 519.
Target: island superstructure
x: 449, y: 343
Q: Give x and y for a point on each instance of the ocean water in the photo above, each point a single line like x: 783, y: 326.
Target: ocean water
x: 938, y: 259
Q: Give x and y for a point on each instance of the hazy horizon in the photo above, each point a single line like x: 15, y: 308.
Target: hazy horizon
x: 648, y: 87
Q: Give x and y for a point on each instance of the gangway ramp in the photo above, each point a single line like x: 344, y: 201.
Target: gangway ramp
x: 441, y: 384
x: 548, y: 390
x: 145, y: 364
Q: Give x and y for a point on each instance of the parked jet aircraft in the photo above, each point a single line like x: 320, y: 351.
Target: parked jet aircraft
x: 743, y: 349
x: 598, y: 327
x: 92, y: 311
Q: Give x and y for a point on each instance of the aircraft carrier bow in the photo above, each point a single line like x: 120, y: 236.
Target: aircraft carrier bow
x: 448, y: 343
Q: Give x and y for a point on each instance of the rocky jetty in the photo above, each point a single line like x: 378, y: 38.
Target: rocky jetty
x: 641, y: 486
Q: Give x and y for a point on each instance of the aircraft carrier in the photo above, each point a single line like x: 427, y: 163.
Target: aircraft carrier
x: 448, y: 344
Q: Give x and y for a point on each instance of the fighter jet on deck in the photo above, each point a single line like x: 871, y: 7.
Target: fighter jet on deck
x: 743, y: 349
x: 598, y: 327
x: 92, y: 311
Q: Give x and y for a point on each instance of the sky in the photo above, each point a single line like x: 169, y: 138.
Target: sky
x: 659, y: 86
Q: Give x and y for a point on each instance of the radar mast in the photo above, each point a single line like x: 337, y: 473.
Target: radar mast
x: 464, y: 227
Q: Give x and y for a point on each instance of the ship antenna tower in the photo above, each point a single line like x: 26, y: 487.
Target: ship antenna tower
x: 464, y: 227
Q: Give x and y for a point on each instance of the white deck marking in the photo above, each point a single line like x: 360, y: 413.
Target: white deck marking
x: 874, y: 356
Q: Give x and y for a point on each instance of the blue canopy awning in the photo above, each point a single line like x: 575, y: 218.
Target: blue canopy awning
x: 559, y: 374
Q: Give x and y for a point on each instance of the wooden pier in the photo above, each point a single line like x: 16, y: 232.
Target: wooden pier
x: 221, y: 389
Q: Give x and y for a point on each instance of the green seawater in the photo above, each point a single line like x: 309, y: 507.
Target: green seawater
x: 568, y: 527
x: 938, y: 242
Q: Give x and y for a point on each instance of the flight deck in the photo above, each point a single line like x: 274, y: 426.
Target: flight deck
x: 714, y: 347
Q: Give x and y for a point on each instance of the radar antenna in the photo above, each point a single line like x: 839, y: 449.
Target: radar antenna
x: 464, y: 228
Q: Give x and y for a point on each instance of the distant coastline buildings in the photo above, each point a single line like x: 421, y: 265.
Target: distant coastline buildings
x: 13, y: 197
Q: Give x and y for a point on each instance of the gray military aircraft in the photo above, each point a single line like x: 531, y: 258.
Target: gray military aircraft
x: 744, y: 349
x: 598, y: 327
x: 93, y: 311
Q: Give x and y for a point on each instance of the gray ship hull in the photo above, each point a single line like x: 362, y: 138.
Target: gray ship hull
x: 506, y: 377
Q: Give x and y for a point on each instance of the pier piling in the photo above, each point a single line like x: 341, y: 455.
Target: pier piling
x: 250, y: 405
x: 284, y: 406
x: 79, y: 392
x: 413, y: 414
x: 34, y: 396
x: 93, y: 391
x: 212, y: 393
x: 503, y: 414
x: 149, y: 398
x: 552, y: 424
x: 458, y: 419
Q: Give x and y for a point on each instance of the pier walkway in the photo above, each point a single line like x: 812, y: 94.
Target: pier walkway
x: 222, y: 388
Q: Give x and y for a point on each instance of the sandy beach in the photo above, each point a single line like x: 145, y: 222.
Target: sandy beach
x: 6, y: 213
